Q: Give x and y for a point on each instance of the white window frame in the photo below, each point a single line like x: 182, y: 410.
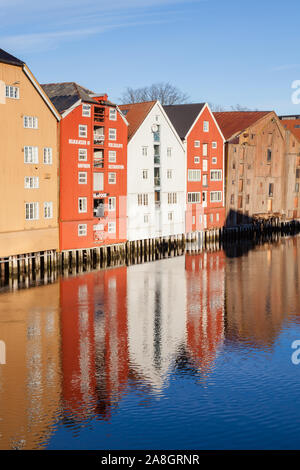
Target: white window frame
x: 145, y: 174
x: 204, y: 164
x: 172, y: 198
x: 31, y: 154
x: 214, y: 160
x: 82, y: 205
x: 144, y: 151
x: 82, y: 177
x: 112, y: 156
x: 214, y: 145
x: 194, y: 197
x: 204, y: 180
x: 32, y: 207
x: 112, y: 133
x: 82, y: 230
x: 197, y: 143
x: 82, y: 155
x: 82, y: 130
x: 12, y: 92
x: 219, y: 193
x: 194, y: 174
x: 196, y: 160
x: 215, y: 175
x: 30, y: 122
x: 86, y: 110
x: 170, y: 216
x: 169, y: 151
x: 204, y: 149
x: 47, y: 156
x: 48, y: 210
x: 31, y: 182
x: 169, y: 174
x: 205, y: 126
x: 112, y: 114
x: 112, y: 201
x: 111, y: 227
x: 112, y: 178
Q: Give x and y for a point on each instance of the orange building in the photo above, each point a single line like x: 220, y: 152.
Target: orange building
x: 29, y: 162
x: 93, y: 182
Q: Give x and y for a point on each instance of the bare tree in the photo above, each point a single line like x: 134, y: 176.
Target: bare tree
x: 164, y: 92
x: 219, y: 108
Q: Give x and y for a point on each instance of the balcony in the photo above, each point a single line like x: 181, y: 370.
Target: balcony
x: 98, y: 163
x: 157, y: 159
x: 156, y: 136
x: 99, y: 208
x: 156, y: 180
x: 98, y: 114
x: 98, y: 138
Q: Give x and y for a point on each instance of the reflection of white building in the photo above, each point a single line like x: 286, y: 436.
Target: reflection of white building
x: 156, y: 173
x: 156, y: 318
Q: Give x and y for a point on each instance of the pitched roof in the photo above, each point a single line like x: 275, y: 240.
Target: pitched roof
x: 182, y: 116
x: 9, y: 59
x: 232, y: 123
x: 290, y: 123
x: 64, y: 95
x: 135, y: 114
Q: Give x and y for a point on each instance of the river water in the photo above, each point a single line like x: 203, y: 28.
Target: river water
x: 192, y: 352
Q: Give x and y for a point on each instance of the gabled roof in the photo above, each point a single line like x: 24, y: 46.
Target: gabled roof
x: 64, y: 95
x: 232, y: 123
x: 183, y: 116
x: 9, y: 59
x: 292, y: 123
x: 135, y: 113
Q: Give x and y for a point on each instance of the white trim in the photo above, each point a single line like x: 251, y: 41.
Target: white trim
x: 69, y: 110
x: 213, y: 117
x: 41, y: 92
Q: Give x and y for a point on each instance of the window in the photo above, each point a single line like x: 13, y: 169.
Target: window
x: 98, y: 181
x: 233, y: 165
x: 214, y: 145
x: 144, y: 151
x: 205, y: 126
x: 86, y: 110
x: 194, y: 197
x: 145, y: 174
x: 204, y: 196
x: 211, y: 217
x: 12, y: 92
x: 112, y: 156
x: 297, y: 188
x: 248, y: 199
x: 30, y: 122
x: 169, y: 174
x: 82, y: 130
x: 31, y: 154
x: 216, y: 196
x: 204, y: 165
x: 48, y: 210
x: 269, y: 155
x: 112, y: 178
x: 216, y: 175
x: 204, y: 150
x: 298, y: 173
x: 82, y: 230
x: 196, y: 143
x: 111, y: 227
x: 112, y: 134
x: 170, y: 216
x: 142, y: 199
x: 82, y: 155
x: 31, y: 182
x: 82, y: 177
x: 169, y: 152
x: 112, y: 114
x: 271, y: 189
x: 214, y: 160
x: 204, y: 181
x: 232, y: 199
x: 48, y: 155
x: 146, y: 218
x: 82, y: 204
x: 194, y: 175
x: 111, y: 203
x: 172, y: 198
x: 196, y: 159
x: 217, y: 216
x: 31, y: 210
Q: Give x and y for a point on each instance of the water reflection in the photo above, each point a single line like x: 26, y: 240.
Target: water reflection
x: 75, y: 350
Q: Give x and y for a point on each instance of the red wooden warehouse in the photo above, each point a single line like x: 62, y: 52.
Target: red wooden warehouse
x: 93, y: 167
x: 204, y: 144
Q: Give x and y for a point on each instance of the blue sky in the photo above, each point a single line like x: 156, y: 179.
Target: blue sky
x: 222, y: 51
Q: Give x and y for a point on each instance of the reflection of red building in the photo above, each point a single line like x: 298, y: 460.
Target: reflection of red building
x: 94, y: 341
x: 205, y: 306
